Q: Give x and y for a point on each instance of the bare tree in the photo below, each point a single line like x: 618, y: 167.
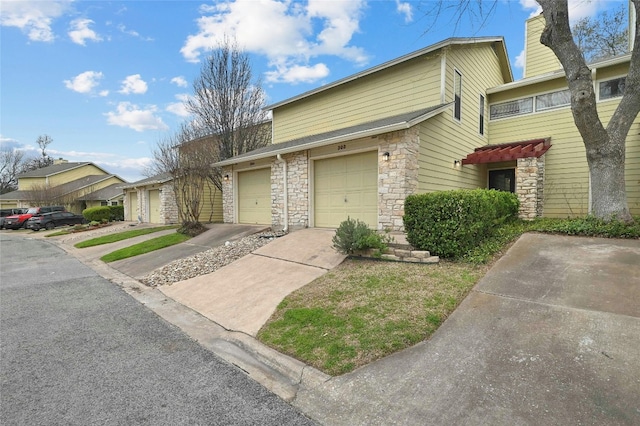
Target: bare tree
x: 10, y: 166
x: 228, y: 103
x: 605, y: 146
x: 186, y: 157
x: 44, y: 195
x: 604, y: 36
x: 44, y: 160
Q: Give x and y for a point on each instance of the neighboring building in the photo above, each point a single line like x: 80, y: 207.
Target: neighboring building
x: 152, y: 200
x: 448, y: 116
x: 62, y: 183
x: 108, y: 196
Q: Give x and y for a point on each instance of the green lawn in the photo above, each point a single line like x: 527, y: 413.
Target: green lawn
x: 364, y: 310
x: 145, y: 247
x: 112, y: 238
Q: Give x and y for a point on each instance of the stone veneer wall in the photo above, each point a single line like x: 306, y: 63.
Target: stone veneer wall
x: 227, y: 195
x: 530, y: 187
x: 397, y: 177
x: 297, y: 189
x: 168, y: 205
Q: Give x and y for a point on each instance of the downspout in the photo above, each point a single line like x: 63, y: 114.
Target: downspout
x: 286, y: 193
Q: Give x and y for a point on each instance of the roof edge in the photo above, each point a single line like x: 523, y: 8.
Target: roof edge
x: 337, y: 139
x: 412, y: 55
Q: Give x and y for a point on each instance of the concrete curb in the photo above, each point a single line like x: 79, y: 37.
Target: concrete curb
x: 279, y: 373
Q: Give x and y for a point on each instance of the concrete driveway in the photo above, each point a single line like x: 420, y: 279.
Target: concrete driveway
x: 243, y: 295
x: 550, y: 336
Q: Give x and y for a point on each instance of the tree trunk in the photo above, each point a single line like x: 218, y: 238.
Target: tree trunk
x: 605, y: 148
x: 606, y: 173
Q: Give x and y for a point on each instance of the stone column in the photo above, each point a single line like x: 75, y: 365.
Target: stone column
x: 397, y: 177
x: 168, y: 205
x: 297, y: 189
x: 227, y: 195
x: 530, y: 187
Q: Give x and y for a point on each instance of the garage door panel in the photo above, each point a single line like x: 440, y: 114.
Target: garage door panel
x: 154, y: 206
x: 254, y: 196
x: 346, y: 187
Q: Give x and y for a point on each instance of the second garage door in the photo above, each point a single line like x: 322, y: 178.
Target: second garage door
x: 346, y: 187
x: 254, y: 196
x: 154, y: 206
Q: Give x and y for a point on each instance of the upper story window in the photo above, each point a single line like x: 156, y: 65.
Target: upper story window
x: 553, y: 100
x: 481, y: 117
x: 457, y: 95
x: 611, y: 88
x: 511, y: 108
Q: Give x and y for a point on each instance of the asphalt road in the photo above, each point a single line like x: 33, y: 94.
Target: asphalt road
x: 77, y: 350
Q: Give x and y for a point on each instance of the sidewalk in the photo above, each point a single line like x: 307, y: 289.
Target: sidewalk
x: 551, y: 335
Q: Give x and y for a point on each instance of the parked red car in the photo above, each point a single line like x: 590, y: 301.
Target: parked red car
x: 20, y: 220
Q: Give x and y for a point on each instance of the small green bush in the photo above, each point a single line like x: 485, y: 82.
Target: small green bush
x: 116, y: 213
x: 97, y: 214
x: 451, y: 223
x: 354, y: 235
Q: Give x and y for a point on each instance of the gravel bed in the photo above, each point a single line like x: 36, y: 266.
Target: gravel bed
x: 207, y: 261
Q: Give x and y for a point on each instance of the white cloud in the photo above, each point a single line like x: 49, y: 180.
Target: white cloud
x: 297, y: 74
x: 405, y: 8
x: 33, y: 17
x: 289, y: 34
x: 179, y: 81
x: 133, y: 84
x: 80, y: 31
x: 578, y: 9
x: 520, y: 59
x: 130, y: 115
x: 179, y: 108
x: 85, y: 82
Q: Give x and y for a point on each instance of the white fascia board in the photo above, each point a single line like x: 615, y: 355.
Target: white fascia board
x: 556, y: 74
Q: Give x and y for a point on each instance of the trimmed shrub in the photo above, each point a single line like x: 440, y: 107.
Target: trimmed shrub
x: 451, y: 223
x: 97, y: 214
x: 354, y: 235
x: 117, y: 213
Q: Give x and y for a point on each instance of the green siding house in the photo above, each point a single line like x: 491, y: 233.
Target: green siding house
x: 448, y: 116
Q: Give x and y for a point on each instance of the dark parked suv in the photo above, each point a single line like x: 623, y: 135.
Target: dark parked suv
x: 51, y: 220
x: 18, y: 221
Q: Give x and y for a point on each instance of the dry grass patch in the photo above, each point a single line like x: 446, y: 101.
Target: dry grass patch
x: 364, y: 310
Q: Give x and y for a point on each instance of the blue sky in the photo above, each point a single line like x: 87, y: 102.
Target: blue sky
x: 106, y: 79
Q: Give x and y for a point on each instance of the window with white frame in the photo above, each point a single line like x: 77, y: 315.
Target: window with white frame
x: 481, y: 116
x: 611, y: 88
x: 553, y: 100
x: 457, y: 94
x: 511, y: 108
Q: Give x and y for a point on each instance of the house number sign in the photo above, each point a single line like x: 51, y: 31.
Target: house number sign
x: 342, y: 147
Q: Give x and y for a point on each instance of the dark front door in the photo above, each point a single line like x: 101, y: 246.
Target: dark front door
x: 503, y: 180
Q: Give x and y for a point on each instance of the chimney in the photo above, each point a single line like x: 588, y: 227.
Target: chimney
x: 538, y: 58
x: 60, y: 161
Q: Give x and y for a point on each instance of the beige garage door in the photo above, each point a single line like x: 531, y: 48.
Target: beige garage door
x: 133, y: 206
x: 254, y: 196
x: 346, y: 187
x: 154, y: 206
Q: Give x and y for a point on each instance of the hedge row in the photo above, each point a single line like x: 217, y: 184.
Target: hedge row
x: 450, y: 223
x: 104, y: 213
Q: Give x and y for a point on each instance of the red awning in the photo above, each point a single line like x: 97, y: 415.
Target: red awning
x: 508, y: 151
